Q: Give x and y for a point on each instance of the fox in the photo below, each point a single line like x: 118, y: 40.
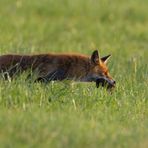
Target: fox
x: 53, y: 67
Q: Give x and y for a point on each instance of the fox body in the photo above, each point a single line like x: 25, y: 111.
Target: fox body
x: 57, y: 66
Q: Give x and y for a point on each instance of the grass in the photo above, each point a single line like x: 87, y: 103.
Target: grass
x: 69, y: 114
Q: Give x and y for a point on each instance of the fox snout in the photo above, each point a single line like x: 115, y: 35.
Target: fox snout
x: 105, y: 83
x: 113, y: 82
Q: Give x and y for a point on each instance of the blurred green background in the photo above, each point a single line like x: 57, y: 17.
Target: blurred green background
x: 80, y: 25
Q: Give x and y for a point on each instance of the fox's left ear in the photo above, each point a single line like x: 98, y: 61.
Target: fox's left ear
x: 105, y: 59
x: 95, y: 58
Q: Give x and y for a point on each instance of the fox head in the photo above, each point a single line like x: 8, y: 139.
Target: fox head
x: 98, y: 69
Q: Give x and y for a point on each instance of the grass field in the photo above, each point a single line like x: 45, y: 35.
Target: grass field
x: 69, y: 114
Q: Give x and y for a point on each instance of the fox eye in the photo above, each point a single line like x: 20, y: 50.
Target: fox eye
x: 105, y: 73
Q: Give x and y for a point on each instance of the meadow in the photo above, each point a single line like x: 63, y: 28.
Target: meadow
x: 70, y: 114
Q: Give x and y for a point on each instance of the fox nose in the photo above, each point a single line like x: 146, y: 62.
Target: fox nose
x: 114, y: 82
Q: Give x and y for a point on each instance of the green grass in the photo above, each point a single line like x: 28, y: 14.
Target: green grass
x: 69, y: 114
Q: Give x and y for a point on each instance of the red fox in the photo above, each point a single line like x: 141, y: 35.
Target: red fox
x: 59, y: 67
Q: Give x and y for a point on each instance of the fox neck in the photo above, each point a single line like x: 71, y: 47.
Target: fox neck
x: 83, y: 73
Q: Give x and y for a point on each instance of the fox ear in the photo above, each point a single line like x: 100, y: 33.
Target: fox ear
x: 95, y: 58
x: 105, y: 59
